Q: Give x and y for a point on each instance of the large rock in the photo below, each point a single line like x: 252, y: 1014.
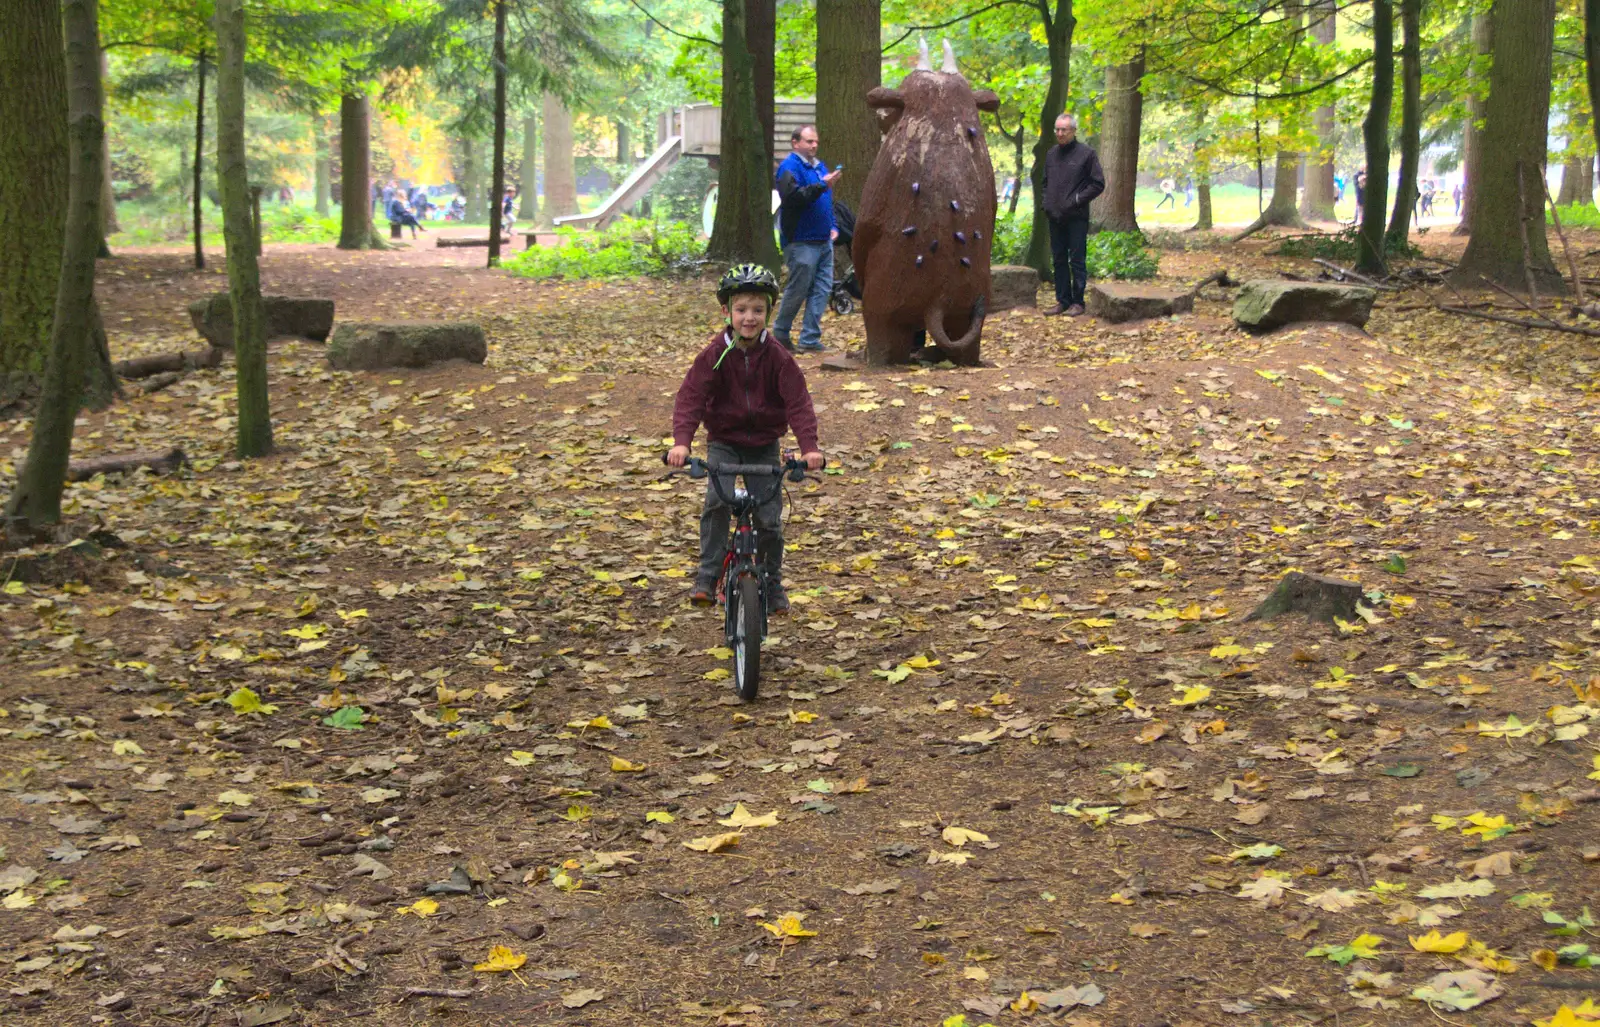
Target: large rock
x: 1116, y: 302
x: 1013, y: 285
x: 368, y: 345
x: 284, y: 315
x: 1265, y: 304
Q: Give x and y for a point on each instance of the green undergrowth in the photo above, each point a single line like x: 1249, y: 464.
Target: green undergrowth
x: 627, y: 247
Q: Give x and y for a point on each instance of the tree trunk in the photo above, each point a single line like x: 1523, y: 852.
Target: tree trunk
x: 1317, y: 196
x: 624, y: 145
x: 1472, y: 132
x: 1591, y: 63
x: 1019, y: 149
x: 498, y: 175
x: 36, y: 499
x: 743, y: 227
x: 1571, y: 171
x: 471, y: 194
x: 1202, y: 194
x: 530, y: 169
x: 560, y: 177
x: 1586, y: 183
x: 244, y: 273
x: 324, y: 171
x: 761, y: 38
x: 1282, y: 209
x: 1405, y: 197
x: 33, y: 190
x: 1058, y: 28
x: 1375, y: 136
x: 199, y: 158
x: 355, y: 170
x: 1577, y: 171
x: 1509, y: 214
x: 848, y: 67
x: 108, y: 195
x: 1119, y: 147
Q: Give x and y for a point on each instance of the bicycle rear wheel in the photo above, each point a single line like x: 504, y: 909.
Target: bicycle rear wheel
x: 745, y: 641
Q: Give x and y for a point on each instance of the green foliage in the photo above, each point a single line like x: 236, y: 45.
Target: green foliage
x: 158, y: 222
x: 1577, y: 215
x: 628, y: 247
x: 681, y: 192
x: 1011, y: 238
x: 1341, y: 247
x: 1121, y: 255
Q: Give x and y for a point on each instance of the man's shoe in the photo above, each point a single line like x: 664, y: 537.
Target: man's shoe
x: 703, y: 595
x: 1076, y: 310
x: 813, y: 348
x: 785, y: 343
x: 777, y: 602
x: 1055, y: 311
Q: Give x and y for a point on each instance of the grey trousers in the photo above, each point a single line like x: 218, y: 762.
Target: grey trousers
x: 715, y: 516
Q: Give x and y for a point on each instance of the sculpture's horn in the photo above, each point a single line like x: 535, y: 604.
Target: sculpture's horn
x: 950, y: 60
x: 923, y: 63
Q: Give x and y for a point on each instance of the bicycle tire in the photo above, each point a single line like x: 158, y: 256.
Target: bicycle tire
x: 745, y: 640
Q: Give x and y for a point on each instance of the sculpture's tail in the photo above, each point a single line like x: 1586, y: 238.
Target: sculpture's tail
x: 934, y: 322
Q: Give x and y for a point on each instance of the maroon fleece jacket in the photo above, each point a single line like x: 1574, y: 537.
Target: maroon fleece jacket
x: 750, y: 400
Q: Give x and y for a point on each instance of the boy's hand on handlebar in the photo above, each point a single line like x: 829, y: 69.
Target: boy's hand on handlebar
x: 814, y: 461
x: 677, y: 456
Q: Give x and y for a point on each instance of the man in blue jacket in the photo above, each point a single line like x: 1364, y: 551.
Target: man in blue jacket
x: 806, y: 231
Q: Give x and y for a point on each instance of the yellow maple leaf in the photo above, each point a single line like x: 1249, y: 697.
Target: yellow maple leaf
x: 742, y: 818
x: 1433, y: 941
x: 234, y: 797
x: 789, y: 926
x: 420, y: 908
x: 801, y: 716
x: 714, y: 842
x: 622, y: 766
x: 600, y: 723
x: 659, y: 816
x: 959, y: 836
x: 1586, y: 1015
x: 1191, y: 696
x: 1483, y: 824
x: 501, y: 960
x: 717, y: 674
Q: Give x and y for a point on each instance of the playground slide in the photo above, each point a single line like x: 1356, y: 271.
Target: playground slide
x: 632, y: 189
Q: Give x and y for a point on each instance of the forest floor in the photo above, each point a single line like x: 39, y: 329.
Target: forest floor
x: 1019, y: 755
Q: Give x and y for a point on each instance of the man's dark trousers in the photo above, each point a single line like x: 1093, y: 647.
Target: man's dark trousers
x: 1069, y: 253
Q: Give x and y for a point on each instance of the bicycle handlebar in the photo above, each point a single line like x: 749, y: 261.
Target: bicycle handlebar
x: 698, y: 468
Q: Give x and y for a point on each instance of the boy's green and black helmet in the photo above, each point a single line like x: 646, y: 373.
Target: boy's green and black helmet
x: 747, y: 278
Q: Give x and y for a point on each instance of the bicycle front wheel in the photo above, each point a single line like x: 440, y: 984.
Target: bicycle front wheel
x: 745, y: 623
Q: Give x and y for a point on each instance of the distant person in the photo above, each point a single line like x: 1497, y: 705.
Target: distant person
x: 388, y: 194
x: 508, y: 216
x: 1455, y: 194
x: 1361, y: 195
x: 1168, y: 188
x: 400, y: 213
x: 378, y: 203
x: 806, y: 231
x: 1072, y: 177
x: 419, y: 201
x: 1427, y: 198
x: 457, y: 211
x: 1188, y: 193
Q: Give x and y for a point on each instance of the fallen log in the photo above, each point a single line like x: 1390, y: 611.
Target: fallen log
x: 161, y: 463
x: 143, y: 367
x: 1219, y: 277
x: 1522, y: 322
x: 1342, y: 273
x: 444, y: 243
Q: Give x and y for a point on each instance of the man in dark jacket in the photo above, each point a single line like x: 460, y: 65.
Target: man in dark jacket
x: 806, y: 231
x: 1072, y: 177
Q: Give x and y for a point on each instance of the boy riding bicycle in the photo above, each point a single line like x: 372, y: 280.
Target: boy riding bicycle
x: 748, y: 391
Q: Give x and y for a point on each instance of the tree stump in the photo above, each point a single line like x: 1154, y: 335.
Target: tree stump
x: 1319, y: 597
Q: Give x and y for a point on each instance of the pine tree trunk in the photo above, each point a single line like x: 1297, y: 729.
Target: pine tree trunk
x: 530, y: 169
x: 560, y: 176
x: 1375, y: 136
x: 848, y: 67
x: 199, y: 159
x: 355, y: 170
x: 33, y: 189
x: 498, y: 175
x: 1119, y: 147
x: 743, y: 227
x: 1058, y: 28
x: 244, y: 273
x: 1317, y: 196
x: 1405, y: 198
x: 324, y: 169
x: 761, y: 38
x: 1509, y: 212
x: 1472, y: 132
x: 36, y: 499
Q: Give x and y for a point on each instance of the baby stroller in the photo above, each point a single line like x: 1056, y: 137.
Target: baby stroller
x: 845, y: 290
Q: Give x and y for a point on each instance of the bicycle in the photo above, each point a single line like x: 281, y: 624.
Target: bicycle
x: 742, y: 584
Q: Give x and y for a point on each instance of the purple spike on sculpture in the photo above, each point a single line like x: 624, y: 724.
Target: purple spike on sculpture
x: 932, y: 246
x: 909, y: 230
x: 972, y: 133
x: 916, y: 187
x: 919, y: 260
x: 965, y: 262
x: 977, y: 234
x: 961, y: 237
x: 955, y: 204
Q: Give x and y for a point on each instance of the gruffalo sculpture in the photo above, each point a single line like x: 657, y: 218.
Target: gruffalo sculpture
x: 921, y: 249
